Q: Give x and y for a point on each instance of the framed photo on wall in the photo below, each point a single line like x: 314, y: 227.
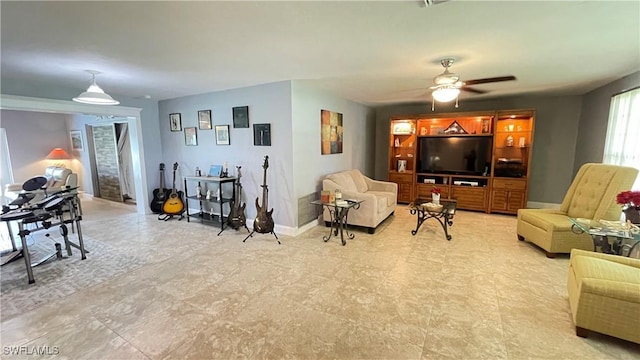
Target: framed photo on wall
x: 222, y: 135
x: 75, y: 136
x: 190, y: 136
x: 204, y: 119
x: 262, y: 134
x: 241, y: 117
x: 175, y: 122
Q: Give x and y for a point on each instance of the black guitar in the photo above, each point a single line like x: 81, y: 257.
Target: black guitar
x: 160, y: 194
x: 237, y: 217
x: 264, y: 221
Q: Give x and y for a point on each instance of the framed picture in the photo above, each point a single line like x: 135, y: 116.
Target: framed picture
x: 331, y: 132
x: 222, y: 135
x: 262, y: 134
x: 204, y: 119
x: 402, y: 128
x: 175, y: 122
x: 241, y: 117
x: 190, y: 136
x: 75, y: 136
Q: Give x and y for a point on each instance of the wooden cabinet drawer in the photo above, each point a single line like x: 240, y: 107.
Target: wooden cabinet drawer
x: 400, y: 178
x: 424, y: 191
x: 473, y: 198
x: 514, y: 184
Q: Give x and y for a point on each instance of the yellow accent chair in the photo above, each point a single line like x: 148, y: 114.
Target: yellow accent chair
x: 604, y: 294
x: 592, y: 195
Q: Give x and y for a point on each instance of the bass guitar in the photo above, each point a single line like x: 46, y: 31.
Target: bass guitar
x: 160, y: 194
x: 263, y: 222
x: 174, y: 205
x: 237, y: 217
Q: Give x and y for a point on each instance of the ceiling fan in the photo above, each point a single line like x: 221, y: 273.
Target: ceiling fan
x: 448, y: 85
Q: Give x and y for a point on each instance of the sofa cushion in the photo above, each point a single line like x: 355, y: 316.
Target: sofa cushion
x: 385, y: 199
x: 549, y: 221
x: 344, y: 180
x: 358, y: 179
x: 590, y: 267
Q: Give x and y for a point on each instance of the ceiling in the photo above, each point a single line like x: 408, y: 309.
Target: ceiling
x: 374, y: 53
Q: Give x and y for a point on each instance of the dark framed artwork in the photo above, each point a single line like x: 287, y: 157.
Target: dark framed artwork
x: 241, y: 117
x: 222, y: 135
x: 190, y: 136
x: 331, y: 132
x: 262, y: 134
x: 204, y: 119
x: 175, y: 122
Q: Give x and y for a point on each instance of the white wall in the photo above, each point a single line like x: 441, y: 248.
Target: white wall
x: 269, y: 103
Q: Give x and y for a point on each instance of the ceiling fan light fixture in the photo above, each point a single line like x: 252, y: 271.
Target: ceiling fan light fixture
x: 95, y: 95
x: 445, y: 94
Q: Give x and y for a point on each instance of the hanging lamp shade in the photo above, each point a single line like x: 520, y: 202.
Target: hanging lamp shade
x: 95, y: 95
x: 58, y: 154
x: 445, y: 93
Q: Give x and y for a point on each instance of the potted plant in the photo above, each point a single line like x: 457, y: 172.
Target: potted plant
x: 435, y: 195
x: 631, y: 202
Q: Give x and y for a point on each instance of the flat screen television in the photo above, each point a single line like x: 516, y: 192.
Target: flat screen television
x: 455, y: 155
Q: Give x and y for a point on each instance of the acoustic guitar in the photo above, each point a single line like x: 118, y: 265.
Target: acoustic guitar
x: 174, y: 205
x: 263, y: 222
x: 160, y: 194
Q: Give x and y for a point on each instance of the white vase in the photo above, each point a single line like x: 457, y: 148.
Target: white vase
x: 435, y: 198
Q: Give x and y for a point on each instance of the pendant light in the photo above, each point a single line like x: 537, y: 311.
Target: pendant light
x: 94, y: 94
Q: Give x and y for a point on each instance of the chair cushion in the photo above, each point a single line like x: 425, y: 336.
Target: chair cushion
x: 344, y: 180
x: 590, y: 267
x: 385, y: 199
x: 589, y: 192
x: 358, y: 179
x: 552, y: 222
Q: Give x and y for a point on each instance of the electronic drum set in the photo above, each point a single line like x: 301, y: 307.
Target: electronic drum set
x: 59, y: 209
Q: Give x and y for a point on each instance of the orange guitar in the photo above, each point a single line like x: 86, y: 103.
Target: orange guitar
x: 174, y: 204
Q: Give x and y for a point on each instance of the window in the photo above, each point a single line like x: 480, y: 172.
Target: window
x: 623, y: 131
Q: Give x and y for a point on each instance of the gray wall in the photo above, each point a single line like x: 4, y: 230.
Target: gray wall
x: 594, y: 119
x: 555, y: 137
x: 31, y: 136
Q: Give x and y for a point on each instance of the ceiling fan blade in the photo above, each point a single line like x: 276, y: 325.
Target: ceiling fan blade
x: 472, y: 90
x: 490, y: 80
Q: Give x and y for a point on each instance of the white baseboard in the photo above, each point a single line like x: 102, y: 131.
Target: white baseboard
x: 542, y: 205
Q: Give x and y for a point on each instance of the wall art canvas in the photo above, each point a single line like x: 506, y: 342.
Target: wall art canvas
x: 190, y: 136
x: 204, y: 119
x: 76, y: 140
x: 241, y: 117
x: 331, y: 132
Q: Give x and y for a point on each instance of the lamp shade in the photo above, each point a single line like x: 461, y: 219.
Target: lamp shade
x: 58, y: 154
x: 445, y: 94
x: 95, y: 95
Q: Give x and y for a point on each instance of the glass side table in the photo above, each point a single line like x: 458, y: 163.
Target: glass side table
x: 339, y: 212
x: 610, y: 237
x: 443, y: 213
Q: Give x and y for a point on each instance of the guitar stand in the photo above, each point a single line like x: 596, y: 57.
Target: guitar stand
x: 167, y: 217
x: 251, y: 235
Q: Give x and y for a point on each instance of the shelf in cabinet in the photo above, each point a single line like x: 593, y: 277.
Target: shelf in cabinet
x: 455, y: 135
x: 511, y: 147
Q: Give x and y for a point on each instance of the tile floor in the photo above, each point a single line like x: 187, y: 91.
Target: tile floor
x: 175, y: 290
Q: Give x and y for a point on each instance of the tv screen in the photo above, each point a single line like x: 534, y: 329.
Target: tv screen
x: 454, y: 155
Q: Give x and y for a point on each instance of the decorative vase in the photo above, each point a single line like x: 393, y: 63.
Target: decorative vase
x: 435, y: 198
x: 632, y: 214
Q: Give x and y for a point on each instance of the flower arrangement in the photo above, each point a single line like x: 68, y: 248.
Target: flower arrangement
x: 629, y: 198
x: 435, y: 190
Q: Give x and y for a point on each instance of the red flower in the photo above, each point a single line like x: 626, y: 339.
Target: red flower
x: 435, y: 190
x: 629, y: 198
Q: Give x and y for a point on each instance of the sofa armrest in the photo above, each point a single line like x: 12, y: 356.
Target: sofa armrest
x: 614, y: 258
x: 612, y: 289
x: 377, y: 185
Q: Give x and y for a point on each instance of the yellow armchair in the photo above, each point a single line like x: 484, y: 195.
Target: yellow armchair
x: 604, y: 294
x: 592, y: 195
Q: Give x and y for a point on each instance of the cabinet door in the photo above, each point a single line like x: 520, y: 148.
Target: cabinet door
x: 471, y: 198
x: 499, y: 199
x: 404, y: 192
x: 516, y: 201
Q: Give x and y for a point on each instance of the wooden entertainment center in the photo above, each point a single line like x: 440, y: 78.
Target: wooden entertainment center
x: 481, y: 159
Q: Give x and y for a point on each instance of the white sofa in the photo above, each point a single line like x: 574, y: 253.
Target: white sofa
x: 380, y: 197
x: 56, y: 176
